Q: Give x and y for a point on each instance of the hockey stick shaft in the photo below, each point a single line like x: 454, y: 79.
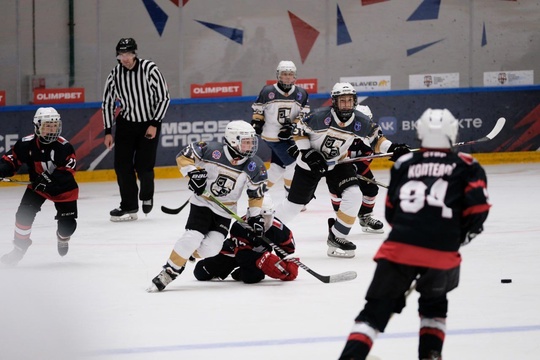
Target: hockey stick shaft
x: 492, y: 134
x: 373, y: 181
x: 14, y: 181
x: 349, y: 275
x: 171, y: 211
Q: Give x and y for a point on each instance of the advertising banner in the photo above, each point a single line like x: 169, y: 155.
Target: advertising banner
x: 205, y: 120
x: 58, y: 96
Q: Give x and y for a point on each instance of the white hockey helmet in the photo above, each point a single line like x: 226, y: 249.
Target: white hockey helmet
x: 285, y: 66
x: 437, y: 129
x: 241, y: 139
x: 364, y: 109
x: 338, y: 90
x: 47, y: 124
x: 268, y: 211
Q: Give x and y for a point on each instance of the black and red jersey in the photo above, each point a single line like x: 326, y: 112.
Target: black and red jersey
x: 435, y: 197
x: 57, y: 158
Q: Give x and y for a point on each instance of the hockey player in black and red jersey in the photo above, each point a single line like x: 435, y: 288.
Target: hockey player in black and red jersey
x: 248, y: 258
x: 369, y: 190
x: 51, y: 164
x: 222, y: 169
x: 275, y: 112
x: 323, y: 138
x: 437, y: 201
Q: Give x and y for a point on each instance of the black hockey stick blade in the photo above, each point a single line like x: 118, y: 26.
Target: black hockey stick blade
x: 346, y: 276
x: 170, y: 211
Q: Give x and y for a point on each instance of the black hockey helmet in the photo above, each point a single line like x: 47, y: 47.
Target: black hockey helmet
x: 126, y: 45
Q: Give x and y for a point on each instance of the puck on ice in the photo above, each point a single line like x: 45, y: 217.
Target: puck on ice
x: 506, y: 281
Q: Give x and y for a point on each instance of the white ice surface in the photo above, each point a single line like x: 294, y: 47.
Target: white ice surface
x: 92, y: 303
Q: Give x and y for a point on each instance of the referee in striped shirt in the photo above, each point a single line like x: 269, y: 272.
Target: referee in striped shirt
x: 143, y: 98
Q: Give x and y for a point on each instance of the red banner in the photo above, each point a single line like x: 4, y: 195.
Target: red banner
x: 310, y: 85
x: 58, y: 96
x: 2, y: 97
x: 216, y: 89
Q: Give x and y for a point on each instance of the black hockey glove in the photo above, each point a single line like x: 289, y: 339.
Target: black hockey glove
x: 197, y: 181
x: 257, y: 224
x: 43, y: 182
x: 314, y: 160
x: 471, y: 235
x: 293, y: 151
x: 398, y: 150
x: 285, y: 132
x: 258, y: 126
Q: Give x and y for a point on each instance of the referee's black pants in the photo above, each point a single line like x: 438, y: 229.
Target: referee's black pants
x: 134, y: 157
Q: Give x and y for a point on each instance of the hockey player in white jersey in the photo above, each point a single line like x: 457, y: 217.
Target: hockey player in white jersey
x: 223, y: 170
x: 275, y: 112
x: 369, y: 190
x: 323, y: 138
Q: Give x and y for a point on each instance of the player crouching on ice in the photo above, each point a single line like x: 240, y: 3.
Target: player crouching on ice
x: 51, y: 165
x: 247, y: 257
x: 223, y: 170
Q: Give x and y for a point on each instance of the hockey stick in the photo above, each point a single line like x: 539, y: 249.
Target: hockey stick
x: 494, y: 132
x: 345, y: 276
x: 373, y: 181
x: 170, y: 211
x: 14, y: 181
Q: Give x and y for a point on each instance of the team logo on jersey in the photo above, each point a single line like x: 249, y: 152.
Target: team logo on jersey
x: 216, y: 154
x: 252, y: 166
x: 327, y: 121
x: 357, y: 126
x: 299, y: 96
x: 271, y: 96
x: 223, y: 185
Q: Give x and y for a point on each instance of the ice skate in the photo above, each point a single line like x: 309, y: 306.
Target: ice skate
x: 63, y: 244
x: 119, y: 215
x: 369, y: 224
x: 12, y: 258
x: 147, y: 206
x: 164, y: 278
x: 338, y: 247
x: 433, y: 355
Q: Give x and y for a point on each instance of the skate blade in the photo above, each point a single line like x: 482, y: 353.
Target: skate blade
x: 372, y: 231
x: 335, y: 252
x: 123, y: 218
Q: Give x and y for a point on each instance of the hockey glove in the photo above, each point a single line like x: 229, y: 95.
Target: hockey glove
x: 293, y: 151
x: 398, y: 150
x: 285, y: 132
x: 314, y: 160
x: 257, y: 224
x: 471, y: 235
x: 258, y: 126
x: 276, y: 268
x: 43, y: 182
x: 197, y: 181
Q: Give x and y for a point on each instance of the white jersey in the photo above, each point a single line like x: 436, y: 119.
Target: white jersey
x: 227, y: 177
x: 323, y: 131
x: 275, y: 108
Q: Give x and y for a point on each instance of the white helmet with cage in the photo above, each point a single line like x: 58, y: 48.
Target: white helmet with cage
x: 47, y: 124
x: 267, y: 211
x: 241, y: 139
x: 437, y: 129
x: 288, y: 67
x: 338, y: 90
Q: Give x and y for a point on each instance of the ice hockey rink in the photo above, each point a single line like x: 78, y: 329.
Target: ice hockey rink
x: 92, y: 303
